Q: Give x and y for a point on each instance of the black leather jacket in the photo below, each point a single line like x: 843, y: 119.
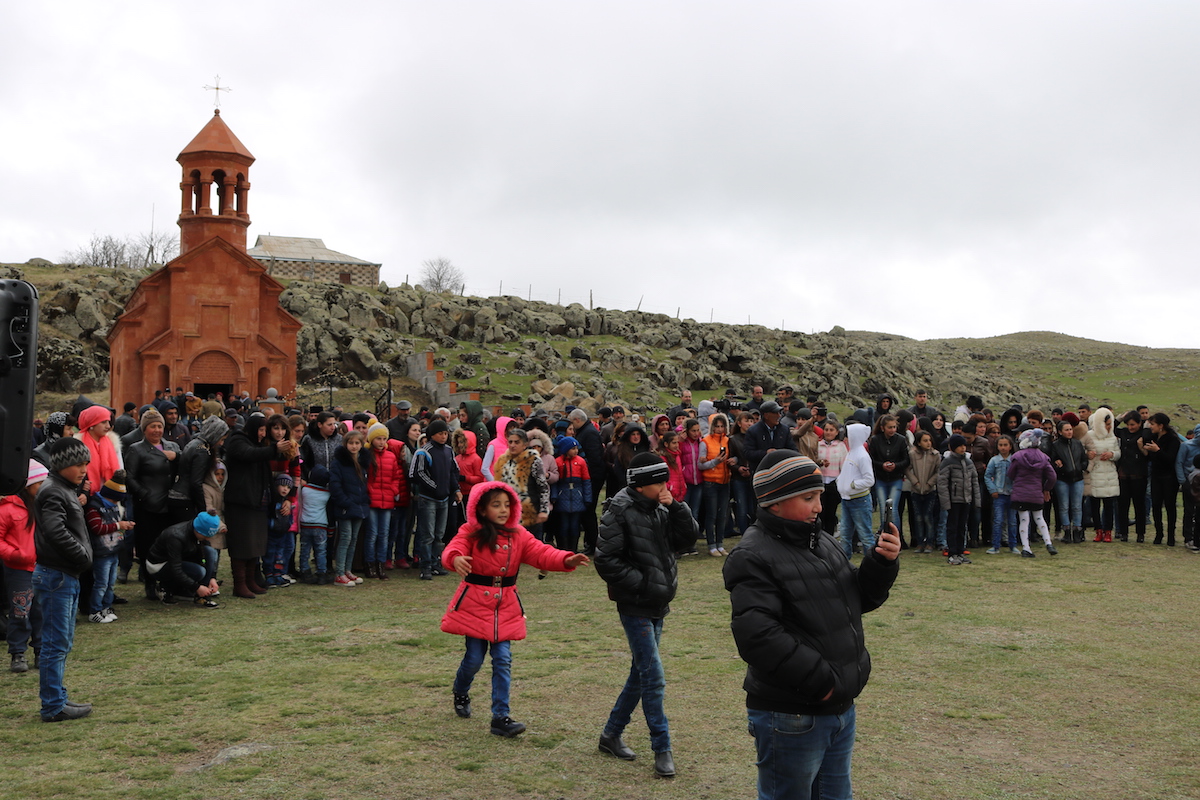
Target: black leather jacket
x: 60, y: 537
x: 797, y: 615
x: 635, y: 552
x: 150, y: 475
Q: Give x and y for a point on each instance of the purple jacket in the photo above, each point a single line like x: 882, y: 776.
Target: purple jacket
x: 1031, y: 474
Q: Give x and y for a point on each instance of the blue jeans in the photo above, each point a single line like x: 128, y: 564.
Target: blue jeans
x: 856, y: 519
x: 889, y: 490
x: 925, y: 510
x: 24, y: 614
x: 398, y: 534
x: 501, y: 671
x: 802, y: 756
x: 378, y: 530
x: 646, y: 683
x: 199, y: 573
x: 279, y: 553
x: 695, y: 499
x: 431, y: 523
x: 347, y: 535
x: 104, y: 575
x: 1004, y: 516
x: 1068, y: 498
x: 312, y: 545
x: 58, y: 595
x: 716, y: 512
x: 743, y: 496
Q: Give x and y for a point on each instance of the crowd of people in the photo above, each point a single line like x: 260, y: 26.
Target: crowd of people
x: 174, y: 486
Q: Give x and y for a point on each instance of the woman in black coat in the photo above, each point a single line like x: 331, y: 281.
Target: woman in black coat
x: 247, y: 502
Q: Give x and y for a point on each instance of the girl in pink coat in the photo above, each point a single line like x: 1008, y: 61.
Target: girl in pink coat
x: 487, y: 552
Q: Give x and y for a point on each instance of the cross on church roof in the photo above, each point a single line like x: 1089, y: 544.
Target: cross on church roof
x: 216, y: 90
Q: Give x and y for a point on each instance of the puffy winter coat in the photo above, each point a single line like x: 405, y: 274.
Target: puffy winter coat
x: 922, y: 469
x: 489, y: 610
x: 797, y: 615
x: 348, y: 497
x: 1031, y: 474
x: 573, y: 491
x: 384, y: 479
x: 16, y: 535
x: 1099, y: 440
x: 635, y: 552
x: 957, y: 481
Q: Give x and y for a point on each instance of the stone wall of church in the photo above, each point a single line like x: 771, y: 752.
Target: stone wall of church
x: 352, y: 274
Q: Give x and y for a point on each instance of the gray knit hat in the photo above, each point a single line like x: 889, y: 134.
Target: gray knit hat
x: 783, y: 474
x: 67, y: 453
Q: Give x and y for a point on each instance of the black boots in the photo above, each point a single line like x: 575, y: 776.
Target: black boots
x: 462, y: 705
x: 614, y: 746
x: 507, y: 727
x: 664, y: 764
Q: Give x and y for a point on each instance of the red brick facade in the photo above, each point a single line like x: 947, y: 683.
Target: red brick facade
x: 211, y: 317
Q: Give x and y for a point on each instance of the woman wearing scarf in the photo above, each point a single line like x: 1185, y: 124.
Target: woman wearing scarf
x: 95, y: 430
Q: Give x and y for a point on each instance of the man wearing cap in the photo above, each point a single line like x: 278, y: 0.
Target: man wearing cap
x: 640, y: 533
x: 767, y: 434
x: 797, y: 622
x: 398, y: 425
x: 615, y: 419
x: 183, y: 563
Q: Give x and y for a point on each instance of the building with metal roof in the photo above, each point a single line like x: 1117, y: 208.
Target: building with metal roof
x: 309, y: 259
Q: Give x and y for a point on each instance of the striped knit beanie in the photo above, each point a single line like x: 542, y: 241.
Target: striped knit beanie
x: 646, y: 469
x: 783, y: 474
x: 68, y: 452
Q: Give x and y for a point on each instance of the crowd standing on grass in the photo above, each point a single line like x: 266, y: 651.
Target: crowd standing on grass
x: 156, y: 495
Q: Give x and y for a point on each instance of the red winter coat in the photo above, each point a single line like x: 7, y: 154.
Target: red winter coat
x: 470, y: 466
x: 16, y: 540
x: 494, y: 613
x: 385, y: 478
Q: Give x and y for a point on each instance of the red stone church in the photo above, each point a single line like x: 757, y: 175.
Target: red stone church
x: 209, y: 320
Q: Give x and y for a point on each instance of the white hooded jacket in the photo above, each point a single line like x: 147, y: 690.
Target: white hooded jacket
x: 857, y: 475
x: 1101, y: 439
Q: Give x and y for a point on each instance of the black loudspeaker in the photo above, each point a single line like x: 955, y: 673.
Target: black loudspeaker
x: 18, y: 377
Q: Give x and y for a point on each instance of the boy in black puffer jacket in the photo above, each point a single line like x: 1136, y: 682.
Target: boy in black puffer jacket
x: 635, y: 555
x: 797, y: 621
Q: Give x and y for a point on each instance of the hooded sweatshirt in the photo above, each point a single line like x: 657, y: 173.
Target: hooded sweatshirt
x: 496, y: 447
x: 857, y: 475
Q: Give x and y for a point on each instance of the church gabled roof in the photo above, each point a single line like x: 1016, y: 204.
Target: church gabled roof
x: 296, y: 248
x: 215, y: 137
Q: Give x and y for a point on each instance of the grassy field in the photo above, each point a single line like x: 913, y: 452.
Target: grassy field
x: 1064, y: 677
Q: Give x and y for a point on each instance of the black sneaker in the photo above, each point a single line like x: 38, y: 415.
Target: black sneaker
x: 69, y: 712
x: 1027, y: 554
x: 507, y: 727
x: 1050, y: 549
x: 18, y: 663
x: 462, y: 705
x: 426, y: 575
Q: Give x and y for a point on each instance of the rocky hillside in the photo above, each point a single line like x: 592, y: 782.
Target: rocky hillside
x: 511, y: 350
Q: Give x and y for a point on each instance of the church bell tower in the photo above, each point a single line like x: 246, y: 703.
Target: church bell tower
x: 215, y: 187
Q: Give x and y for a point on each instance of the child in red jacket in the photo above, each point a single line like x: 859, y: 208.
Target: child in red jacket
x: 488, y: 552
x: 383, y: 487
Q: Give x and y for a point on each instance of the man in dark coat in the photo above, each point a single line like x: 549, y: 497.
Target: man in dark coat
x: 797, y: 622
x: 767, y: 434
x: 592, y: 451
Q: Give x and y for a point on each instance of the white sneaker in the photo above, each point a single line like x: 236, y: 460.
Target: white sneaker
x: 112, y: 617
x: 99, y: 616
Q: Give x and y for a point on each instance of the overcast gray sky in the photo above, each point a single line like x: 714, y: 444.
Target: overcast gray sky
x: 924, y: 168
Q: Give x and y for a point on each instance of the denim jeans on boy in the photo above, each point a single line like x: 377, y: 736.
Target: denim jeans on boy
x: 24, y: 614
x: 889, y: 490
x: 377, y: 531
x: 646, y: 683
x: 716, y: 513
x: 200, y: 573
x: 1068, y: 498
x: 431, y: 522
x: 312, y: 545
x: 501, y: 671
x: 856, y: 519
x: 803, y: 756
x: 347, y: 535
x: 104, y: 576
x: 58, y: 595
x: 279, y: 553
x: 1004, y: 516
